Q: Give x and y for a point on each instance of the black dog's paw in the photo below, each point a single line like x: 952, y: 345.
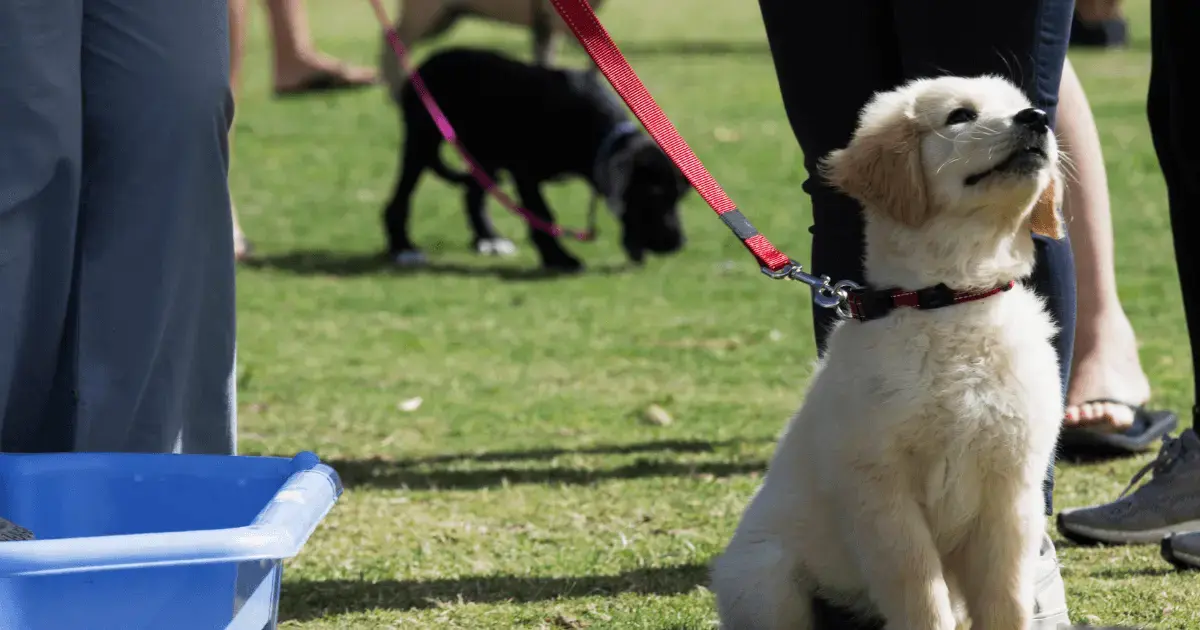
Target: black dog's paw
x: 562, y: 263
x: 409, y: 258
x: 496, y: 246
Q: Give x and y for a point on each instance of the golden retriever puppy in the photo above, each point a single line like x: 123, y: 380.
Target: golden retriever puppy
x: 909, y: 484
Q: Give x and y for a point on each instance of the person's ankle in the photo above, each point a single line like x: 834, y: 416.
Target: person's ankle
x: 1095, y: 324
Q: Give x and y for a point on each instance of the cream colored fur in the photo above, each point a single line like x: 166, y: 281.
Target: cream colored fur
x: 423, y: 19
x: 911, y: 477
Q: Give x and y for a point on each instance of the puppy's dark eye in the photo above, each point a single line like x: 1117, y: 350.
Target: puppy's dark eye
x: 961, y: 115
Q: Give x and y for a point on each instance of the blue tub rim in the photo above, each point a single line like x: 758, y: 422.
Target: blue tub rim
x: 279, y: 531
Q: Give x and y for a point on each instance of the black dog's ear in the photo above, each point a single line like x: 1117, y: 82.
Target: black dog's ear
x: 682, y: 180
x: 576, y: 80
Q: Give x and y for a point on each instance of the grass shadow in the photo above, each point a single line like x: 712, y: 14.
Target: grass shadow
x: 1118, y: 573
x: 672, y: 446
x: 1083, y: 455
x: 306, y: 600
x: 443, y: 472
x: 381, y: 473
x: 346, y: 264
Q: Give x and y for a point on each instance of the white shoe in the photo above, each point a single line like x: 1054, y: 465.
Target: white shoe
x: 496, y: 247
x: 1050, y: 598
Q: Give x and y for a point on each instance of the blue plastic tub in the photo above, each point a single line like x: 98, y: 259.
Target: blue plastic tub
x: 154, y: 542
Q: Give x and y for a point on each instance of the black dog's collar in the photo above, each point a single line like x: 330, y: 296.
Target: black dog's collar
x: 867, y: 304
x: 604, y: 154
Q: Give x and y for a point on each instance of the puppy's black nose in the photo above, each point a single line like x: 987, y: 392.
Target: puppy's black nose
x: 1034, y: 119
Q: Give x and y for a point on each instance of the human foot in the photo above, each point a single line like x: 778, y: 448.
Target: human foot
x: 1105, y: 368
x: 242, y: 248
x: 318, y: 72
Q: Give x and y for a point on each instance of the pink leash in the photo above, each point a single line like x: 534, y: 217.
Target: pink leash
x: 447, y: 131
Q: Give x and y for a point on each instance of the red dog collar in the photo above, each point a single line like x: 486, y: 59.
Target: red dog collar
x: 867, y: 304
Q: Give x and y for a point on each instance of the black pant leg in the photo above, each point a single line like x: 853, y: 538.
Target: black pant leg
x: 1173, y: 109
x: 830, y: 57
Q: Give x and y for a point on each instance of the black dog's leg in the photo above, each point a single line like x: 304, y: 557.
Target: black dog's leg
x: 395, y: 215
x: 549, y: 249
x: 487, y: 240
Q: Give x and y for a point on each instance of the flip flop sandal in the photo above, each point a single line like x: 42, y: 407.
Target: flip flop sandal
x: 322, y: 81
x: 1099, y: 34
x: 1149, y: 426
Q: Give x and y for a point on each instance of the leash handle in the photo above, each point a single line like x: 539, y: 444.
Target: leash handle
x: 448, y: 133
x: 582, y: 20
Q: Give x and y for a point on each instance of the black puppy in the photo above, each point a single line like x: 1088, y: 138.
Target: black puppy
x: 538, y: 125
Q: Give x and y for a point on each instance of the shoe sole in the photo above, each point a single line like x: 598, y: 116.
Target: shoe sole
x: 1083, y: 535
x: 1054, y: 621
x: 1178, y: 560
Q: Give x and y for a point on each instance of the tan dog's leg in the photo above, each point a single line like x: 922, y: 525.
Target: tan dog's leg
x: 546, y: 26
x: 418, y: 20
x: 544, y: 47
x: 896, y: 555
x: 995, y: 565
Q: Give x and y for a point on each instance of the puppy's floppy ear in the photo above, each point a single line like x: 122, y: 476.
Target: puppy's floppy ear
x: 1044, y: 219
x: 882, y: 169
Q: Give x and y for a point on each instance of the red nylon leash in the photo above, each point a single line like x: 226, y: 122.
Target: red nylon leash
x: 448, y: 133
x: 587, y: 28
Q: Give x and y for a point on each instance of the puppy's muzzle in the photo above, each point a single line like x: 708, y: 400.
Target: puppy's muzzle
x: 1031, y: 128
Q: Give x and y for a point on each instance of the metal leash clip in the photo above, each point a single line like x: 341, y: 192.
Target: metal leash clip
x: 826, y: 293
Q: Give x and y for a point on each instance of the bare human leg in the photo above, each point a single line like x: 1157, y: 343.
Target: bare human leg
x: 299, y: 66
x: 1106, y: 363
x: 237, y: 53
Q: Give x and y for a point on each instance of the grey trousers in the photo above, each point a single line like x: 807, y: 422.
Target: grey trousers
x: 117, y: 324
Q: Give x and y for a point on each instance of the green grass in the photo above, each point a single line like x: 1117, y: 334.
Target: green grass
x: 526, y: 491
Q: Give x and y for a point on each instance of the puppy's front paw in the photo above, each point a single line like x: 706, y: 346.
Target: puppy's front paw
x: 409, y: 258
x: 495, y: 247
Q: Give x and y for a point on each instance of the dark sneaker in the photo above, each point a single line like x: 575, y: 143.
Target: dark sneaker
x: 1182, y: 550
x: 1168, y: 504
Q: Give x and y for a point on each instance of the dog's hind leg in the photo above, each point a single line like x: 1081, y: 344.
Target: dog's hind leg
x: 395, y: 215
x: 553, y: 255
x: 486, y: 240
x: 760, y: 586
x: 895, y: 552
